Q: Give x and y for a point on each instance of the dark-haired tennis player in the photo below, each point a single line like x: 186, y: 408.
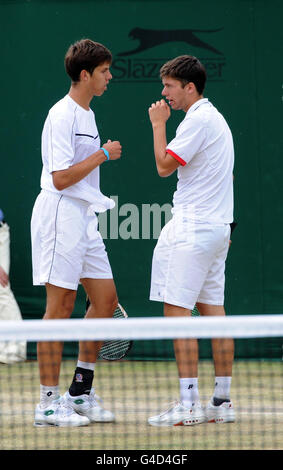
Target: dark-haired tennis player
x: 67, y: 248
x: 189, y: 259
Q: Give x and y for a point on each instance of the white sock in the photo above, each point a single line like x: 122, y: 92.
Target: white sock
x: 86, y: 365
x: 222, y: 387
x: 189, y: 391
x: 48, y: 394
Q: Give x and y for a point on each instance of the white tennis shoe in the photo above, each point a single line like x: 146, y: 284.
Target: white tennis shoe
x: 58, y: 413
x: 223, y: 413
x: 179, y: 415
x: 87, y: 405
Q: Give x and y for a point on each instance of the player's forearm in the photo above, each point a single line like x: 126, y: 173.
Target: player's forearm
x: 63, y: 179
x: 165, y: 164
x: 159, y: 145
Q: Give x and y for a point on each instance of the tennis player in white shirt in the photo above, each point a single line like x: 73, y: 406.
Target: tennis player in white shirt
x: 188, y: 264
x: 67, y: 248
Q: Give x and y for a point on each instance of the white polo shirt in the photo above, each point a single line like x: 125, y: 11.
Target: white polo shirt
x: 70, y: 136
x: 204, y: 148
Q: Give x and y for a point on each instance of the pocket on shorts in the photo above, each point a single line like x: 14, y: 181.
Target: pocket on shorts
x: 70, y: 226
x: 92, y: 231
x: 43, y: 218
x: 183, y: 230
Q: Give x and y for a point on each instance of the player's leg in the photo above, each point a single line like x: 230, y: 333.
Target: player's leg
x: 59, y: 244
x: 220, y: 408
x: 223, y: 348
x: 210, y: 303
x: 188, y: 410
x: 186, y: 350
x: 178, y: 272
x: 59, y: 304
x: 103, y: 302
x: 81, y: 395
x: 187, y: 356
x: 52, y: 409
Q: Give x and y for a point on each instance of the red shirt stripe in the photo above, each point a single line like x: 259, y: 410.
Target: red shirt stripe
x: 179, y: 159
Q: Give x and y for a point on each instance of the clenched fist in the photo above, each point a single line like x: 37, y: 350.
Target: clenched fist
x: 159, y: 112
x: 114, y: 148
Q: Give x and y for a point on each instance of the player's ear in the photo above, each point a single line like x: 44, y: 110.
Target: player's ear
x: 84, y: 75
x: 190, y: 88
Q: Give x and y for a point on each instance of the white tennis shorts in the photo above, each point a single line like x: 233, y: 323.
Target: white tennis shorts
x: 188, y: 263
x: 66, y: 244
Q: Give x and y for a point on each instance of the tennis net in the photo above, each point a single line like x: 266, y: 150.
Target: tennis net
x: 145, y: 381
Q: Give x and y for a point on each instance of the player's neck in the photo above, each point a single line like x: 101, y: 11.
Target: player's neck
x: 80, y: 96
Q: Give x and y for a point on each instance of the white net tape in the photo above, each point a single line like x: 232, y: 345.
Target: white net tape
x: 139, y: 328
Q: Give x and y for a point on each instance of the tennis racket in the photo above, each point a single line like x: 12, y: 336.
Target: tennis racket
x: 195, y: 312
x: 114, y: 349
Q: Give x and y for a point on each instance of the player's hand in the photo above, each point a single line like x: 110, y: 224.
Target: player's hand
x: 159, y: 112
x: 4, y: 278
x: 114, y: 148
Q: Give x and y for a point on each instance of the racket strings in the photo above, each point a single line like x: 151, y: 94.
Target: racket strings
x: 115, y: 349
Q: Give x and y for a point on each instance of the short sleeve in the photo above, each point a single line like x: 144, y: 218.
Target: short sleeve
x: 60, y: 149
x: 189, y: 138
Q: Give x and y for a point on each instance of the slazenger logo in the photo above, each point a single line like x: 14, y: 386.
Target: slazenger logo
x: 128, y: 68
x: 149, y: 38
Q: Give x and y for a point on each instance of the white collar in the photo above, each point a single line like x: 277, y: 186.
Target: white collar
x: 197, y: 104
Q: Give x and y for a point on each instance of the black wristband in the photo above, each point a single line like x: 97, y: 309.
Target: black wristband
x: 233, y: 225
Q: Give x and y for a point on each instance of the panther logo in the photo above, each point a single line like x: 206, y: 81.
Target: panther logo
x: 150, y: 38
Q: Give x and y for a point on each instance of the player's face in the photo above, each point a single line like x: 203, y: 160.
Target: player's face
x: 100, y: 78
x: 175, y: 94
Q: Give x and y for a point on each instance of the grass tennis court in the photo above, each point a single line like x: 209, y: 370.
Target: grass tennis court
x: 135, y: 390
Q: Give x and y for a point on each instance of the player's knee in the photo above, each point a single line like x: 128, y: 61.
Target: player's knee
x: 60, y: 309
x: 111, y: 304
x: 67, y: 307
x: 104, y: 305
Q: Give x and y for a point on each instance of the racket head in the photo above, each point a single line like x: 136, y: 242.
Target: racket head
x: 195, y: 312
x: 114, y: 350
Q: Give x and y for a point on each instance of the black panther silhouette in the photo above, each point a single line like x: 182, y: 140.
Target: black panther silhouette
x: 149, y: 38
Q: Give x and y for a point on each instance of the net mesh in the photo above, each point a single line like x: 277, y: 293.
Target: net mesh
x: 145, y: 382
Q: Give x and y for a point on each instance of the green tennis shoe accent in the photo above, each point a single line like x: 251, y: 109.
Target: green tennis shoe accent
x: 49, y: 412
x: 80, y: 401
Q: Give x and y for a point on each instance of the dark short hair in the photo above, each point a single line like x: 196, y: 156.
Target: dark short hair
x: 185, y: 68
x: 85, y: 55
